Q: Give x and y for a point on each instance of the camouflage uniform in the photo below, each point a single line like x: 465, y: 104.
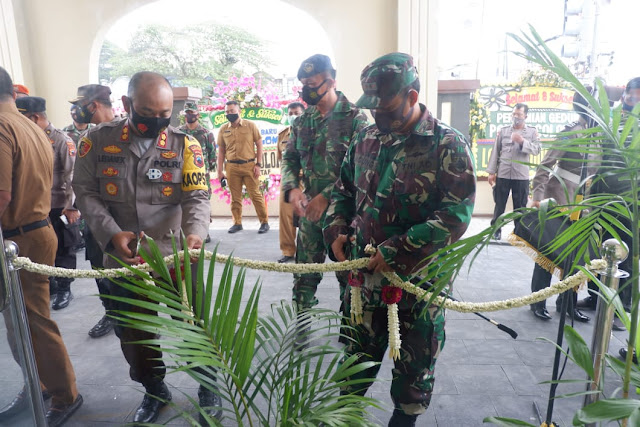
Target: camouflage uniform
x: 316, y: 147
x: 207, y: 142
x: 409, y: 195
x: 74, y: 133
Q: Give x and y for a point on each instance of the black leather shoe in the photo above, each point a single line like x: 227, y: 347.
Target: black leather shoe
x: 588, y: 303
x: 400, y: 419
x: 58, y: 415
x: 623, y: 354
x: 285, y: 258
x: 19, y: 404
x: 62, y: 300
x: 264, y: 227
x: 102, y: 328
x: 497, y: 235
x: 235, y: 228
x: 578, y: 316
x: 207, y: 239
x: 149, y: 409
x: 542, y: 313
x: 211, y: 403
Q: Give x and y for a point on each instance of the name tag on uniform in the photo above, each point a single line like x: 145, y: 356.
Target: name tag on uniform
x: 154, y: 173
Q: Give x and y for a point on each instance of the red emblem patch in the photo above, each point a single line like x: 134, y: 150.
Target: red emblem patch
x: 167, y: 191
x: 142, y: 127
x: 198, y: 159
x: 169, y: 154
x: 110, y: 171
x: 167, y: 177
x: 111, y: 189
x: 84, y: 147
x: 113, y: 149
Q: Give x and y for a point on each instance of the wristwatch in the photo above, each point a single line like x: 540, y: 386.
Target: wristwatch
x: 259, y: 164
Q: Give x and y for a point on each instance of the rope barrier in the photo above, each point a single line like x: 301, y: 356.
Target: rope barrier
x: 573, y: 281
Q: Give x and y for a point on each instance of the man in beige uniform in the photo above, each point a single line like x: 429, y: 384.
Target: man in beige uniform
x: 26, y: 177
x: 64, y: 156
x: 140, y: 175
x: 287, y: 226
x: 236, y: 142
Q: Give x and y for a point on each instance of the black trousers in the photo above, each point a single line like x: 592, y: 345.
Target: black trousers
x: 519, y: 190
x: 65, y: 255
x: 542, y: 279
x: 95, y: 256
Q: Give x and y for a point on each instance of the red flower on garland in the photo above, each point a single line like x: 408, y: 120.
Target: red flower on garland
x: 356, y: 280
x: 391, y: 294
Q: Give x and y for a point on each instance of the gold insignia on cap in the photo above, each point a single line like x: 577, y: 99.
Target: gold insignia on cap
x: 308, y: 67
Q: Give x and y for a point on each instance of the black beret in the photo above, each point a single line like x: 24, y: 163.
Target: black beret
x: 315, y: 64
x: 31, y: 104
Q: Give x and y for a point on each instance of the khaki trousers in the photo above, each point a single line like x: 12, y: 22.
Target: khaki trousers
x: 52, y: 359
x: 237, y: 175
x: 287, y: 230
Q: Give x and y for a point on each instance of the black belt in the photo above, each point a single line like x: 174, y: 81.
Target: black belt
x: 241, y: 162
x: 29, y: 227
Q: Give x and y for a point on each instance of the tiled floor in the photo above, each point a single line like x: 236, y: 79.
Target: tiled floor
x: 481, y: 372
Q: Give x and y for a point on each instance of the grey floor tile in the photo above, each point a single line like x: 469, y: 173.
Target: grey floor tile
x: 481, y: 380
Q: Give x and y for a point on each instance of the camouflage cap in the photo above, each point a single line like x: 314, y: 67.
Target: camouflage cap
x: 90, y: 93
x: 190, y: 106
x: 315, y: 64
x: 385, y: 78
x: 31, y: 104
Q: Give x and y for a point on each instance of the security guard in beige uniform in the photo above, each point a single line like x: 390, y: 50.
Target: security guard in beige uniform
x: 140, y: 175
x: 62, y: 210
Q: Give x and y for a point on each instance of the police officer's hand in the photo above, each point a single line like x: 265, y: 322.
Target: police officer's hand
x: 377, y: 264
x: 299, y: 201
x: 316, y: 207
x: 338, y: 247
x: 72, y: 215
x: 194, y: 241
x: 122, y: 244
x: 492, y: 179
x: 517, y: 138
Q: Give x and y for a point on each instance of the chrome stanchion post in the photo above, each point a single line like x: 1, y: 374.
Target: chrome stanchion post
x: 613, y: 253
x: 21, y: 332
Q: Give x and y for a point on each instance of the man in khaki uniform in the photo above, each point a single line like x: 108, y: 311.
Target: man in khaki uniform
x: 93, y: 106
x: 140, y: 175
x: 240, y: 144
x: 287, y: 227
x: 26, y: 177
x: 64, y: 156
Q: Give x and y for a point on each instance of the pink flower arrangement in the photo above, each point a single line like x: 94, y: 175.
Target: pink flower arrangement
x: 270, y: 187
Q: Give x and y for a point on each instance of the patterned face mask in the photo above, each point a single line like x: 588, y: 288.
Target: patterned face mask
x: 310, y: 94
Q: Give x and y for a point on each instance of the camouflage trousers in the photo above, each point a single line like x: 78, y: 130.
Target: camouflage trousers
x: 422, y: 334
x: 310, y: 248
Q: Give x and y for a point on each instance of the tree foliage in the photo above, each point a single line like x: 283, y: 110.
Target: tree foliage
x: 194, y: 56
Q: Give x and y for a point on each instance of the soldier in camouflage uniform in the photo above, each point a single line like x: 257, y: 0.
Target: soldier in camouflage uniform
x: 406, y: 186
x: 204, y: 136
x: 75, y: 129
x: 319, y: 140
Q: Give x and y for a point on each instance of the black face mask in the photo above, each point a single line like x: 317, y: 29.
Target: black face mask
x: 191, y: 117
x: 627, y: 107
x: 148, y: 127
x: 83, y: 115
x: 310, y: 94
x: 392, y: 121
x: 232, y: 117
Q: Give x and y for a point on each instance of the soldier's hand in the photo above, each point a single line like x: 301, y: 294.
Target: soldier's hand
x: 72, y: 215
x: 299, y: 201
x: 377, y: 264
x: 194, y: 241
x: 492, y: 179
x: 316, y: 207
x: 338, y: 247
x: 121, y: 243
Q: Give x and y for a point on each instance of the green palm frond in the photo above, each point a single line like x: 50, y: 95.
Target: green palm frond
x: 251, y: 361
